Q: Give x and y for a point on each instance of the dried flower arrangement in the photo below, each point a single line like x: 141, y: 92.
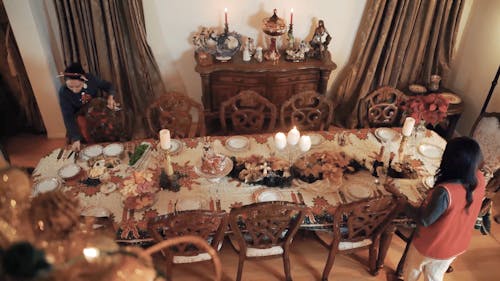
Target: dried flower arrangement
x: 139, y: 190
x: 322, y: 165
x: 430, y: 108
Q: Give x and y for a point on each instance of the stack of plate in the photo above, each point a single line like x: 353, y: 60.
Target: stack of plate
x: 387, y: 134
x: 238, y: 143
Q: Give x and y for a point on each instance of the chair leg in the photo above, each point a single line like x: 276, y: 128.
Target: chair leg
x: 168, y: 268
x: 286, y: 264
x: 385, y: 241
x: 372, y: 259
x: 329, y: 263
x: 240, y: 267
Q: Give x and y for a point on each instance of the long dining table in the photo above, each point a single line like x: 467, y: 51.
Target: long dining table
x: 198, y: 191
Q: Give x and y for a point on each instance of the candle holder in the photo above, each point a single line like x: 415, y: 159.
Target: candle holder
x: 169, y: 178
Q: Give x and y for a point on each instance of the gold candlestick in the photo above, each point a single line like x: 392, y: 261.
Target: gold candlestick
x: 169, y: 170
x: 402, y: 146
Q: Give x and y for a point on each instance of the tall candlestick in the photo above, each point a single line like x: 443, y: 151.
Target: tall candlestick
x: 408, y: 126
x: 169, y: 170
x: 293, y: 136
x: 291, y: 16
x: 165, y: 139
x: 225, y: 16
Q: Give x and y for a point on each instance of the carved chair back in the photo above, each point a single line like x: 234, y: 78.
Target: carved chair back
x: 307, y: 110
x: 208, y: 225
x: 248, y: 112
x: 382, y: 108
x: 266, y: 226
x: 193, y: 240
x: 359, y: 225
x: 178, y: 113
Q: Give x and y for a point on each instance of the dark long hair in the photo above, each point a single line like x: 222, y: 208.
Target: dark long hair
x: 460, y: 162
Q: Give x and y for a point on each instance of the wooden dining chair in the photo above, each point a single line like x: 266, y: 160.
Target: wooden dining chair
x: 196, y: 241
x: 208, y: 225
x: 247, y: 113
x: 178, y: 113
x: 382, y: 108
x: 307, y: 110
x: 359, y: 225
x: 265, y: 229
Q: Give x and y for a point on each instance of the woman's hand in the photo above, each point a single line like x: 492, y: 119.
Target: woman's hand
x: 75, y: 146
x: 111, y: 103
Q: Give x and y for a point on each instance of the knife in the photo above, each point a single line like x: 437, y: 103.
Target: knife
x: 76, y: 156
x: 69, y: 155
x: 60, y: 153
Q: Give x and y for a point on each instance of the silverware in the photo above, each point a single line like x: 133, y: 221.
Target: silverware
x: 61, y: 151
x: 76, y: 156
x: 69, y: 155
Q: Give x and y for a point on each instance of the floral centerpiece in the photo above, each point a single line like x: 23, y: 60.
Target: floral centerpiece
x: 139, y: 190
x: 256, y: 169
x: 321, y: 165
x: 430, y: 109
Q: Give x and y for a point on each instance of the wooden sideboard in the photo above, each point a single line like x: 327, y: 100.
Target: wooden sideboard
x: 277, y: 82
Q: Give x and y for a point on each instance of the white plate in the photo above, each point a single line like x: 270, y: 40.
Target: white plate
x: 93, y: 151
x: 237, y: 143
x: 417, y: 89
x: 46, y: 185
x: 359, y: 191
x: 193, y: 203
x: 452, y: 98
x: 266, y: 195
x: 113, y: 149
x: 316, y: 139
x: 428, y: 182
x: 68, y: 171
x: 95, y: 211
x: 108, y: 187
x: 386, y: 134
x: 175, y: 146
x: 430, y: 151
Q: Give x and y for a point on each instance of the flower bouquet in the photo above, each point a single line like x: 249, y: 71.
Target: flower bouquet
x: 324, y: 165
x: 139, y: 190
x: 430, y: 109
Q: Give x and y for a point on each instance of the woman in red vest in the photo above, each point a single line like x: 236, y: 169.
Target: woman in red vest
x: 447, y: 216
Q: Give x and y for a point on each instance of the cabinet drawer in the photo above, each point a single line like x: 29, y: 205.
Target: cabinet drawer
x: 295, y: 76
x: 227, y: 77
x: 302, y: 87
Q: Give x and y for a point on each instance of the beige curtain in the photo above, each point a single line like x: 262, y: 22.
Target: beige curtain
x: 399, y: 42
x: 109, y: 38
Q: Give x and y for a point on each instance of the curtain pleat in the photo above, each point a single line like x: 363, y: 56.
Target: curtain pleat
x: 399, y: 42
x: 109, y: 38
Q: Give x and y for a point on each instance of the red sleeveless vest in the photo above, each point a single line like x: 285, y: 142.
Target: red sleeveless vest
x: 450, y: 235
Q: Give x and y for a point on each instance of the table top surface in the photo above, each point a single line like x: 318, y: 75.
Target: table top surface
x: 199, y: 191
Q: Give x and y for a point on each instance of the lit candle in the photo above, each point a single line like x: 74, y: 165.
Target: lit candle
x: 291, y: 16
x: 91, y: 253
x: 165, y: 139
x: 280, y: 140
x: 293, y: 136
x: 225, y: 16
x: 305, y: 143
x: 408, y: 126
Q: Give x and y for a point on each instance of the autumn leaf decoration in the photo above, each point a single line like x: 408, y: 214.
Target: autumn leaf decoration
x: 431, y: 108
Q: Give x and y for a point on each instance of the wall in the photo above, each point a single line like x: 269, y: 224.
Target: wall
x: 476, y: 62
x: 171, y: 24
x: 28, y: 21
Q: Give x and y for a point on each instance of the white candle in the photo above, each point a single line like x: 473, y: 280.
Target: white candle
x: 280, y: 140
x: 408, y: 126
x: 91, y: 253
x: 293, y: 136
x: 165, y: 139
x: 305, y: 143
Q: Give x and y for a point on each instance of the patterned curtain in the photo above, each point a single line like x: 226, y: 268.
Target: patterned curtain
x: 109, y: 38
x: 399, y: 42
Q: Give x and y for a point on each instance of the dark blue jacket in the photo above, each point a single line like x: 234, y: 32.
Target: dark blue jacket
x: 71, y: 103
